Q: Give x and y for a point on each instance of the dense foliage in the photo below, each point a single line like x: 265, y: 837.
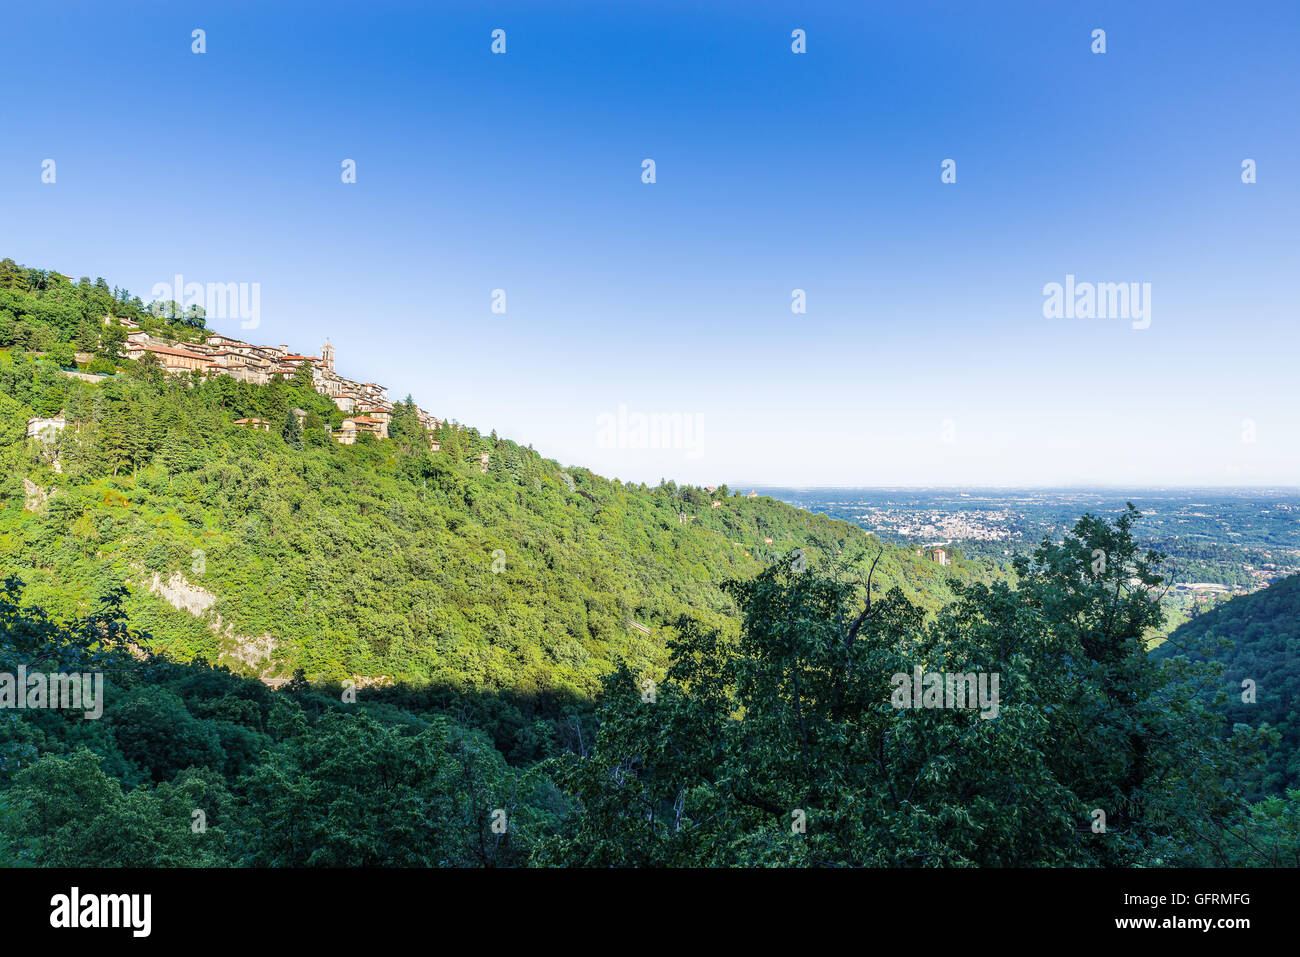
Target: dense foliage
x: 783, y: 746
x: 786, y: 719
x: 383, y: 560
x: 194, y: 766
x: 1256, y: 638
x: 624, y: 675
x: 41, y: 309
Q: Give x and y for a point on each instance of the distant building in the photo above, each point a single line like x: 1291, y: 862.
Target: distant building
x: 365, y: 402
x: 366, y: 423
x: 752, y: 494
x: 939, y: 555
x: 172, y: 360
x: 224, y: 342
x: 378, y: 412
x: 242, y: 366
x: 46, y: 430
x: 262, y: 424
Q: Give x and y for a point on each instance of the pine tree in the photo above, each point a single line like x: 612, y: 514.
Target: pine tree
x: 292, y: 430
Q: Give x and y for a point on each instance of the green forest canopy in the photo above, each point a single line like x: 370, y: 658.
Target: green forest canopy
x: 520, y: 614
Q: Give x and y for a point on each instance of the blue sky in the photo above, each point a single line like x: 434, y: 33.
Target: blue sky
x: 924, y: 357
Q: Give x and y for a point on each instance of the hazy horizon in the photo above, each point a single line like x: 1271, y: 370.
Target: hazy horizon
x: 1022, y: 488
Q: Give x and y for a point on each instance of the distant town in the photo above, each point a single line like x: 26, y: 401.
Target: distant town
x: 1218, y: 542
x: 365, y: 403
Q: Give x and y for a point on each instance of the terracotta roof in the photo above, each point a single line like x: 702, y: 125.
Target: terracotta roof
x: 164, y: 350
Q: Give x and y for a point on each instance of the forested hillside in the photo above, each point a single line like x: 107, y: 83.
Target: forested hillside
x: 774, y: 745
x: 1255, y: 638
x: 382, y: 561
x: 45, y: 311
x: 531, y: 664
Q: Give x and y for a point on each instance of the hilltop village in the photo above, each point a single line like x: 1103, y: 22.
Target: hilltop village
x: 365, y: 403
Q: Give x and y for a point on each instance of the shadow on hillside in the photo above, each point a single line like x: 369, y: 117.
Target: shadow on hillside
x: 524, y: 727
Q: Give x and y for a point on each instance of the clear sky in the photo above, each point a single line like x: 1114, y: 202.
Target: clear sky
x: 924, y: 356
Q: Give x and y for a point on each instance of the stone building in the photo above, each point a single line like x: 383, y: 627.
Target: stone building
x: 172, y: 360
x: 376, y: 427
x: 366, y: 403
